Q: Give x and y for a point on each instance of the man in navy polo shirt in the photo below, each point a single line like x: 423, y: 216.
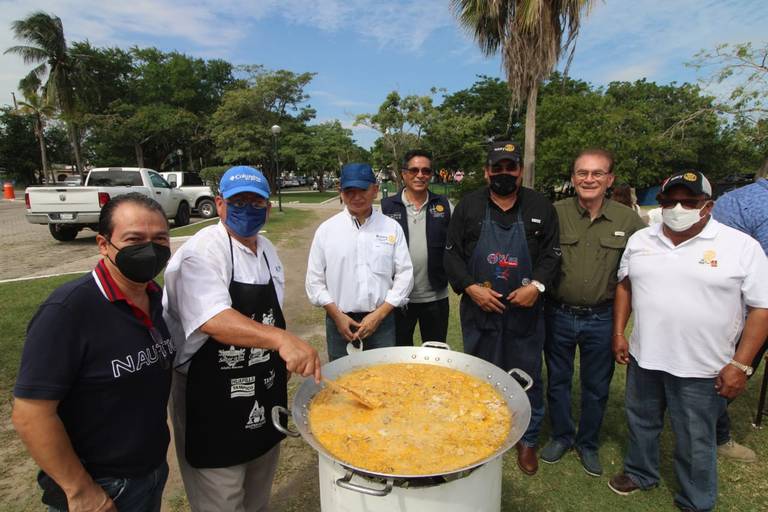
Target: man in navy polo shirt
x: 93, y: 386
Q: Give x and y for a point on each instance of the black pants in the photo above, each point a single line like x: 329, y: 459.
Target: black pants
x: 431, y: 316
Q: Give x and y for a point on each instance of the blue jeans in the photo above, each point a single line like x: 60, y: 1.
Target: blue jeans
x: 591, y: 332
x: 693, y: 406
x: 337, y: 345
x: 140, y: 494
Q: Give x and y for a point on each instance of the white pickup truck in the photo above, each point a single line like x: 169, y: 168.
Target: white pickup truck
x: 198, y: 194
x: 67, y: 210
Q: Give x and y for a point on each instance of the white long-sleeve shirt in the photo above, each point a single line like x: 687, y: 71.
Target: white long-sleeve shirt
x: 359, y: 267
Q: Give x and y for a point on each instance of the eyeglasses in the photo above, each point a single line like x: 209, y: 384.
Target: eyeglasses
x: 688, y: 204
x: 595, y: 174
x: 413, y: 171
x: 496, y: 169
x: 162, y: 348
x: 256, y: 204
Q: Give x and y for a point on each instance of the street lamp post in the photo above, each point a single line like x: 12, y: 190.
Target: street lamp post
x: 275, y: 132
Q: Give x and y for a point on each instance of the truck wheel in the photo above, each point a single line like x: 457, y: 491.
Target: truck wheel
x: 207, y: 209
x: 182, y: 215
x: 62, y: 232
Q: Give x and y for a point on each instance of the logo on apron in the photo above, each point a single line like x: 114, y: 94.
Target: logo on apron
x: 268, y: 318
x: 270, y: 380
x: 258, y: 355
x: 256, y: 418
x: 231, y: 357
x: 244, y: 386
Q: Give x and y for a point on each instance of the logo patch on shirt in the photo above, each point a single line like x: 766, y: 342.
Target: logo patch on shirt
x: 395, y: 215
x: 269, y: 381
x: 709, y: 258
x: 536, y: 221
x: 256, y: 418
x: 387, y: 239
x: 619, y: 233
x: 437, y: 211
x: 231, y: 357
x: 258, y: 355
x: 244, y: 386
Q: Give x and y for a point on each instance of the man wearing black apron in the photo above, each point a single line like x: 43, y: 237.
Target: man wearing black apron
x: 501, y: 254
x: 224, y: 294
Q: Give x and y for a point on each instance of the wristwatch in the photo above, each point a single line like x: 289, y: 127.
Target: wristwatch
x: 539, y: 286
x: 748, y: 370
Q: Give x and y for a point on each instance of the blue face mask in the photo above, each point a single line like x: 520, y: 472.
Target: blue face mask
x: 246, y: 220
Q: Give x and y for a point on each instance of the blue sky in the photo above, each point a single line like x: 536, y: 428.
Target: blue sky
x: 362, y: 49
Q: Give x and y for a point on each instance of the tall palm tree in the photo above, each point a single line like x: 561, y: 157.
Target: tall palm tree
x: 37, y: 106
x: 47, y: 48
x: 530, y: 35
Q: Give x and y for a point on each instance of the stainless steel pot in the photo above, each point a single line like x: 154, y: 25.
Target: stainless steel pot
x: 504, y: 382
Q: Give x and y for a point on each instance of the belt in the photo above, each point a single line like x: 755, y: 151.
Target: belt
x: 583, y: 310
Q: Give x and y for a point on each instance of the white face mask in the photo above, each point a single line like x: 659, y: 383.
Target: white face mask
x: 679, y: 219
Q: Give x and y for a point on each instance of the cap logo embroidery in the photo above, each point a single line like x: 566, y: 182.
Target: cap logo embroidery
x: 689, y: 176
x: 509, y: 147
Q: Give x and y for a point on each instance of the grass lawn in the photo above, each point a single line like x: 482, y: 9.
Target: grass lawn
x: 280, y: 224
x: 306, y: 197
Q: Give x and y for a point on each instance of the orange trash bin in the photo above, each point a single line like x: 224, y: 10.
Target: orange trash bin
x: 8, y: 192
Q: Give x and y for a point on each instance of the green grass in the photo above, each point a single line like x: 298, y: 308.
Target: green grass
x: 279, y: 223
x: 306, y: 197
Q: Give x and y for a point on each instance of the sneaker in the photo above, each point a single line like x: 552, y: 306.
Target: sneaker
x: 590, y: 461
x: 553, y: 452
x: 623, y: 485
x: 736, y: 451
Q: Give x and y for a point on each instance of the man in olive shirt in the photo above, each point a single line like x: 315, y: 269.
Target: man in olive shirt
x: 593, y: 233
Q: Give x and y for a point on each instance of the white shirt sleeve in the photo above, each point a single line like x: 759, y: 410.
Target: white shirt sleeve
x: 403, y: 278
x: 315, y: 282
x: 624, y: 263
x: 755, y: 265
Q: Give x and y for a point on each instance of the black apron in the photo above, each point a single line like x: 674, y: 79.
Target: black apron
x: 501, y: 261
x: 231, y: 390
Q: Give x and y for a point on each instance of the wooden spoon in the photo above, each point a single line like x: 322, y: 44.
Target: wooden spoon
x: 366, y: 401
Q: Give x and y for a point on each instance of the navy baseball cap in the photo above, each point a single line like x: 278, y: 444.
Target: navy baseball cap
x: 357, y: 176
x: 694, y: 181
x: 243, y: 179
x: 504, y: 150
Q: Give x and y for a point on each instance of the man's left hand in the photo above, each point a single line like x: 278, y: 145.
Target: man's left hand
x: 730, y: 382
x: 369, y: 324
x: 524, y: 297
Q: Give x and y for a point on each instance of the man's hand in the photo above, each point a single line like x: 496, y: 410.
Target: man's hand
x: 90, y: 499
x: 369, y: 324
x: 344, y: 325
x: 524, y: 297
x: 486, y: 298
x: 299, y: 356
x: 620, y: 348
x: 730, y: 382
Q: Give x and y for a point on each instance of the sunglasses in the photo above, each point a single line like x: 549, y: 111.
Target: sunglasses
x: 165, y: 356
x: 688, y: 204
x: 413, y: 171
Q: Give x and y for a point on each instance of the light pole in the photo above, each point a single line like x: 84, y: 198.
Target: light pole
x: 275, y: 132
x: 179, y: 154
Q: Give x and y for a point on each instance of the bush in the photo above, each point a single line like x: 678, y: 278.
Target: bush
x: 212, y: 176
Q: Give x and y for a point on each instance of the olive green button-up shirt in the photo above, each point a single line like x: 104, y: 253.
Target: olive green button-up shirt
x: 591, y: 250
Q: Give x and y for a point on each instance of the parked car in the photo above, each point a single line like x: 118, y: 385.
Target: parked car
x: 198, y: 194
x: 69, y: 209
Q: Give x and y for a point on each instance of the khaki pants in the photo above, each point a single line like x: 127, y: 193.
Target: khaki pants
x: 241, y: 488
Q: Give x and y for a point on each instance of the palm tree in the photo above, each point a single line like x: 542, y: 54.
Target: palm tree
x: 47, y: 48
x: 530, y: 35
x: 37, y: 106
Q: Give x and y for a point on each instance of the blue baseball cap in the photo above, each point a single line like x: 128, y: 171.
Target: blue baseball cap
x: 243, y: 179
x: 357, y: 176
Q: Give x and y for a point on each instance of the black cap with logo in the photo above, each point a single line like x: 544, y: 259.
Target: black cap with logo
x: 694, y: 181
x: 504, y: 150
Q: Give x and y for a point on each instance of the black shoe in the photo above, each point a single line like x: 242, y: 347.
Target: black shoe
x: 553, y: 452
x: 590, y: 461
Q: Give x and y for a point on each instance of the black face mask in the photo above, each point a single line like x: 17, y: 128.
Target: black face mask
x: 503, y: 184
x: 142, y: 262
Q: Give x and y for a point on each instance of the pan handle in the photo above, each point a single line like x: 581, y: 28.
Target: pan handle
x: 345, y: 483
x: 276, y: 410
x: 436, y: 344
x: 523, y: 378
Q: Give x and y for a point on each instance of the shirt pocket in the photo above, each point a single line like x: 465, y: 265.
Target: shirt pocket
x: 611, y: 248
x: 381, y: 260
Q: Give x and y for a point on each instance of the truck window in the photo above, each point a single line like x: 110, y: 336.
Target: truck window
x: 158, y: 181
x: 114, y: 179
x: 193, y: 179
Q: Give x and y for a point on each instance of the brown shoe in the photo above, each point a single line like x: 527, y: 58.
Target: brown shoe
x: 527, y: 460
x: 623, y: 485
